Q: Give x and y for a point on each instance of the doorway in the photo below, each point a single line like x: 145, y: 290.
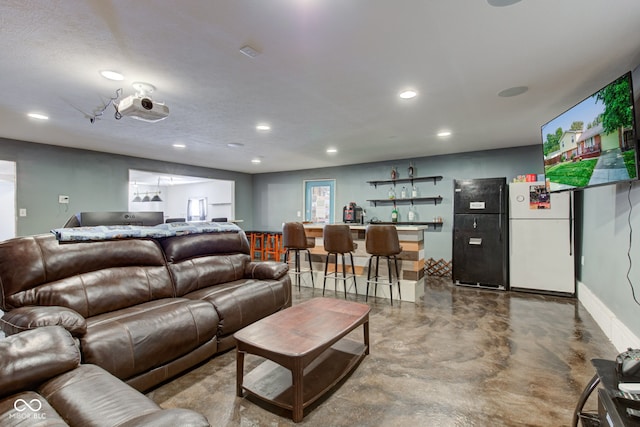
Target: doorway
x: 7, y: 200
x: 319, y: 198
x: 168, y: 193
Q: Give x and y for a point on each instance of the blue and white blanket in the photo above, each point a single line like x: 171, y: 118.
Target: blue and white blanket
x: 108, y: 232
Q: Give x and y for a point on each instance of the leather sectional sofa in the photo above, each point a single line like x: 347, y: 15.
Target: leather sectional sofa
x: 43, y: 383
x: 142, y: 309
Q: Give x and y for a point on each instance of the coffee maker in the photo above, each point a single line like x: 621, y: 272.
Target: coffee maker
x: 352, y: 214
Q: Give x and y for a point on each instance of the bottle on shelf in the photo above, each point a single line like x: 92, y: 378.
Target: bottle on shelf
x: 394, y: 214
x: 411, y: 215
x: 394, y: 173
x: 392, y: 193
x: 403, y: 193
x: 414, y: 191
x: 411, y: 170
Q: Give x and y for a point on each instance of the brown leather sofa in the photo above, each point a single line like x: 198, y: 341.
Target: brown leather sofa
x: 43, y: 383
x: 142, y: 309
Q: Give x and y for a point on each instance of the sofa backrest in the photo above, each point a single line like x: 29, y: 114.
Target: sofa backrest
x: 88, y: 277
x: 200, y: 260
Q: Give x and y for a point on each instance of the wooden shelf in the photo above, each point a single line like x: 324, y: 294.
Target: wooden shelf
x: 435, y: 200
x: 434, y: 178
x: 272, y: 382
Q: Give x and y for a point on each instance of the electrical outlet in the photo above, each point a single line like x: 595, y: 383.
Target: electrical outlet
x: 22, y: 212
x: 299, y: 214
x: 63, y: 199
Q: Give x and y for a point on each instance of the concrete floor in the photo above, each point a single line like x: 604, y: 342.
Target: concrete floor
x: 460, y: 357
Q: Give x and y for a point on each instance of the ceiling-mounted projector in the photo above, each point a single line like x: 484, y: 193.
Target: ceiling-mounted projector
x: 141, y: 107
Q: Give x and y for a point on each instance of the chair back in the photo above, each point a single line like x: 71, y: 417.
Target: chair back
x: 382, y: 240
x: 337, y: 238
x: 294, y: 236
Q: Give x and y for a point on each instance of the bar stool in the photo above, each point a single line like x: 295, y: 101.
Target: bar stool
x: 338, y: 241
x: 272, y: 242
x: 256, y: 241
x: 295, y: 239
x: 382, y: 241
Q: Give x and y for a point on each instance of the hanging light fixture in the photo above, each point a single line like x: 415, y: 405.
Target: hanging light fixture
x: 137, y: 198
x: 157, y: 198
x: 146, y: 198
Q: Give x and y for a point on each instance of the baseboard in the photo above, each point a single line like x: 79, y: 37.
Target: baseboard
x: 617, y: 332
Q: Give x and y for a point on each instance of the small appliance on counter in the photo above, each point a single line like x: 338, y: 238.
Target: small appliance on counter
x: 352, y: 214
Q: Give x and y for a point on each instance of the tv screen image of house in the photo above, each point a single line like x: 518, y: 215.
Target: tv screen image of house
x: 594, y: 142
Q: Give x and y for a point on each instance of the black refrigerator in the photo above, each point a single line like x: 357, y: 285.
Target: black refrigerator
x: 480, y: 233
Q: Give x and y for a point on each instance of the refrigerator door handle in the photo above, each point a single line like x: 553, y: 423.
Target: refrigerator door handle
x: 571, y: 223
x: 500, y: 211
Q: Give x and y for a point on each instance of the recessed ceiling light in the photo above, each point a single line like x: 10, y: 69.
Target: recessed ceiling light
x: 235, y: 145
x: 111, y: 75
x: 408, y: 94
x: 444, y: 133
x: 502, y: 3
x: 263, y: 126
x: 256, y: 161
x: 179, y: 146
x: 38, y: 116
x: 513, y: 91
x: 332, y: 150
x: 249, y: 51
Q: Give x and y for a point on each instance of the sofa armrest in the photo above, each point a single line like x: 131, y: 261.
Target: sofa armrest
x: 30, y: 358
x: 266, y: 270
x: 31, y: 317
x: 169, y: 418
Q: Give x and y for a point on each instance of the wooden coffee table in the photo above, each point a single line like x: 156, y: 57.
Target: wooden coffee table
x: 305, y: 349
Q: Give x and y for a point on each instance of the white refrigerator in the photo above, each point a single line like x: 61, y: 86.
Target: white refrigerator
x: 541, y: 247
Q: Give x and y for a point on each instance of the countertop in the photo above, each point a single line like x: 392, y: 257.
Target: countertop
x: 400, y: 227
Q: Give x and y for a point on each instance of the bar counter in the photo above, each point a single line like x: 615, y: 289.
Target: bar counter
x: 410, y: 262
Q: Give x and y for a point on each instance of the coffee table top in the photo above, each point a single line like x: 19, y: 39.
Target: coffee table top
x: 303, y: 329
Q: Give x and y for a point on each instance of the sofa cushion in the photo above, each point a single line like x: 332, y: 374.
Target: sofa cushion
x: 32, y: 357
x: 136, y: 339
x: 90, y: 278
x: 89, y: 396
x: 203, y: 272
x: 28, y: 408
x: 180, y: 248
x: 242, y: 302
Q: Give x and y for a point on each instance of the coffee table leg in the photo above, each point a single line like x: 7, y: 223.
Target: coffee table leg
x: 366, y: 336
x: 297, y: 376
x: 239, y: 371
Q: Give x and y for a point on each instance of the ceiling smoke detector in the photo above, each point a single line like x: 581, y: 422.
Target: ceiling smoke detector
x: 141, y: 107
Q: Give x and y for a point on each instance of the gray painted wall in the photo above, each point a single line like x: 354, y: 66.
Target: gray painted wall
x: 278, y: 196
x: 608, y: 219
x: 93, y: 181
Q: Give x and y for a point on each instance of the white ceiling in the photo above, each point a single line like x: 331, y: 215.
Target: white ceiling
x: 328, y: 74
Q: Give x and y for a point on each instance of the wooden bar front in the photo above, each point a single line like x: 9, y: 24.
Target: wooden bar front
x: 411, y: 261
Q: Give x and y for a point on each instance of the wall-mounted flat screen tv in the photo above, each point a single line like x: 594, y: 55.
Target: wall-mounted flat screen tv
x: 594, y: 142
